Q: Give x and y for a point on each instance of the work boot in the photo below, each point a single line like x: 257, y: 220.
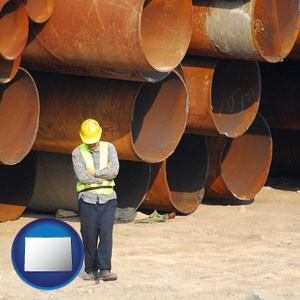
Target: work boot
x: 91, y: 276
x: 106, y: 275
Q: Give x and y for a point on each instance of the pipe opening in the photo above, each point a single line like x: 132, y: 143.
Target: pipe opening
x: 9, y: 69
x: 39, y: 11
x: 159, y: 113
x: 275, y: 28
x: 166, y: 31
x: 132, y: 183
x: 14, y: 27
x: 187, y: 170
x: 245, y: 161
x: 19, y: 117
x: 13, y: 201
x: 235, y: 96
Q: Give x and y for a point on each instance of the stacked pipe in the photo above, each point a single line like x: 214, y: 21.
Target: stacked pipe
x: 19, y: 102
x: 175, y: 85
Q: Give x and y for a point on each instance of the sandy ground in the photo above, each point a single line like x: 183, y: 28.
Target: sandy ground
x: 249, y: 251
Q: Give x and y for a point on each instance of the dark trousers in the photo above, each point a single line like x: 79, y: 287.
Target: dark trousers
x: 97, y: 222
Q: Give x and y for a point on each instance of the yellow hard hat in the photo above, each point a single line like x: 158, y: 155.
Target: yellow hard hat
x: 90, y: 131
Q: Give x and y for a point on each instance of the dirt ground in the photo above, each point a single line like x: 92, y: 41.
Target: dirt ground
x: 221, y: 251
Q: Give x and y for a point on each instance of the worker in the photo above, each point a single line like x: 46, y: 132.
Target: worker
x: 95, y: 166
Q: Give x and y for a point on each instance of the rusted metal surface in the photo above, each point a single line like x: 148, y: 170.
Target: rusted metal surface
x: 9, y: 69
x: 14, y: 25
x: 286, y: 159
x: 2, y: 3
x: 177, y: 184
x: 144, y: 121
x: 52, y: 193
x: 147, y: 36
x: 16, y: 188
x: 44, y: 61
x: 249, y: 30
x: 239, y: 167
x: 39, y: 11
x: 224, y: 95
x: 19, y: 117
x: 281, y: 94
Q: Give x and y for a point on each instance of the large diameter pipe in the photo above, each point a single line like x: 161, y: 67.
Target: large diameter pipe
x: 129, y: 35
x: 281, y: 94
x: 224, y: 95
x: 19, y: 117
x: 286, y: 160
x: 36, y: 57
x: 14, y: 26
x: 16, y: 188
x: 144, y: 121
x: 9, y: 69
x: 177, y: 184
x: 52, y: 192
x: 249, y: 30
x: 239, y: 167
x: 39, y: 11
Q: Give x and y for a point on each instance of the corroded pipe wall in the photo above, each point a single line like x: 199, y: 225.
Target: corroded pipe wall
x: 131, y: 35
x: 36, y: 57
x: 249, y: 30
x: 239, y: 167
x: 39, y: 11
x: 14, y: 26
x: 17, y: 184
x: 51, y: 193
x: 177, y: 184
x: 144, y: 121
x: 280, y: 100
x: 224, y: 95
x: 19, y: 117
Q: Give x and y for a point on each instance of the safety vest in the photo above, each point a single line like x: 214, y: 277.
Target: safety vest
x: 106, y: 186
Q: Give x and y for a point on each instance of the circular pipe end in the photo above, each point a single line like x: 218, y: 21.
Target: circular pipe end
x: 235, y: 96
x: 14, y: 28
x: 275, y: 27
x: 191, y: 161
x: 159, y: 118
x: 246, y: 160
x: 19, y: 117
x: 166, y: 31
x: 39, y: 11
x: 13, y: 201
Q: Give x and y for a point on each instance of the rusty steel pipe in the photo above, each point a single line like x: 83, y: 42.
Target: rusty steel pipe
x: 14, y: 26
x: 177, y: 184
x: 39, y: 11
x: 224, y: 95
x: 19, y: 117
x: 16, y: 188
x: 286, y: 160
x: 249, y: 30
x: 280, y: 94
x: 239, y: 167
x: 52, y: 193
x: 147, y: 36
x: 9, y: 69
x: 46, y: 62
x: 144, y: 121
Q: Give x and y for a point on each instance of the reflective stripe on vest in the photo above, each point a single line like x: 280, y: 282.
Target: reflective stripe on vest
x: 89, y: 163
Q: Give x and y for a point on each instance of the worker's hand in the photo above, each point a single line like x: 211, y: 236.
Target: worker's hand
x: 91, y: 172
